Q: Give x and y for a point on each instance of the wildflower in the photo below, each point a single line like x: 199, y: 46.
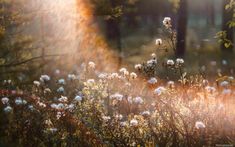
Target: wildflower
x: 7, y: 81
x: 106, y: 118
x: 179, y: 61
x: 210, y: 89
x: 230, y: 78
x: 151, y: 62
x: 122, y: 70
x: 123, y: 124
x: 133, y: 75
x: 61, y: 81
x: 78, y: 98
x: 47, y: 90
x: 114, y: 75
x: 138, y: 100
x: 90, y: 82
x: 8, y: 109
x: 152, y: 80
x: 60, y: 90
x: 37, y: 83
x: 59, y: 115
x: 119, y: 117
x: 102, y: 76
x: 44, y: 78
x: 138, y: 66
x: 159, y: 90
x: 170, y: 83
x: 41, y: 104
x: 200, y: 125
x: 133, y: 122
x: 224, y: 84
x: 71, y: 107
x: 19, y: 101
x: 57, y: 71
x: 146, y: 113
x: 5, y: 100
x: 30, y: 107
x: 54, y: 106
x: 224, y: 62
x: 60, y: 106
x: 158, y: 42
x: 167, y: 22
x: 91, y: 65
x: 71, y: 77
x: 63, y: 99
x: 117, y: 96
x: 170, y: 62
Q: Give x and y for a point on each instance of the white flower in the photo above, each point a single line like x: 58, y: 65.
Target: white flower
x: 167, y: 22
x: 71, y: 77
x: 106, y: 118
x: 41, y: 104
x: 8, y: 109
x: 7, y: 81
x: 119, y: 116
x: 158, y: 42
x: 47, y: 90
x: 123, y: 124
x: 122, y: 70
x: 61, y: 81
x: 31, y: 107
x: 37, y: 83
x: 60, y: 106
x: 60, y: 90
x: 200, y: 125
x: 224, y: 83
x: 151, y: 62
x: 57, y: 71
x: 224, y: 62
x: 117, y: 96
x: 153, y: 55
x: 231, y: 78
x: 210, y: 89
x: 133, y: 122
x: 138, y: 66
x: 71, y: 107
x: 90, y: 81
x: 114, y: 75
x: 170, y: 62
x: 63, y: 99
x: 91, y: 65
x: 54, y: 106
x: 102, y: 76
x: 159, y: 90
x: 146, y: 113
x: 138, y: 100
x: 44, y: 78
x: 133, y: 75
x: 78, y: 98
x: 5, y: 100
x: 179, y: 61
x: 19, y: 101
x: 152, y: 80
x: 170, y: 83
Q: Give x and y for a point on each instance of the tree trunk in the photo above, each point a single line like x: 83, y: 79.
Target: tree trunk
x: 182, y: 28
x: 227, y: 16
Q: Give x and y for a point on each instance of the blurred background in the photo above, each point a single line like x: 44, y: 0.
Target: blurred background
x: 37, y: 33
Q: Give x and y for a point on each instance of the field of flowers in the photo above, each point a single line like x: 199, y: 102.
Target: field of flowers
x: 89, y: 107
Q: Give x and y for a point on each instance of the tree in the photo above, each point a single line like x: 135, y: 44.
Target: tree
x: 182, y: 28
x: 15, y: 45
x: 227, y: 25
